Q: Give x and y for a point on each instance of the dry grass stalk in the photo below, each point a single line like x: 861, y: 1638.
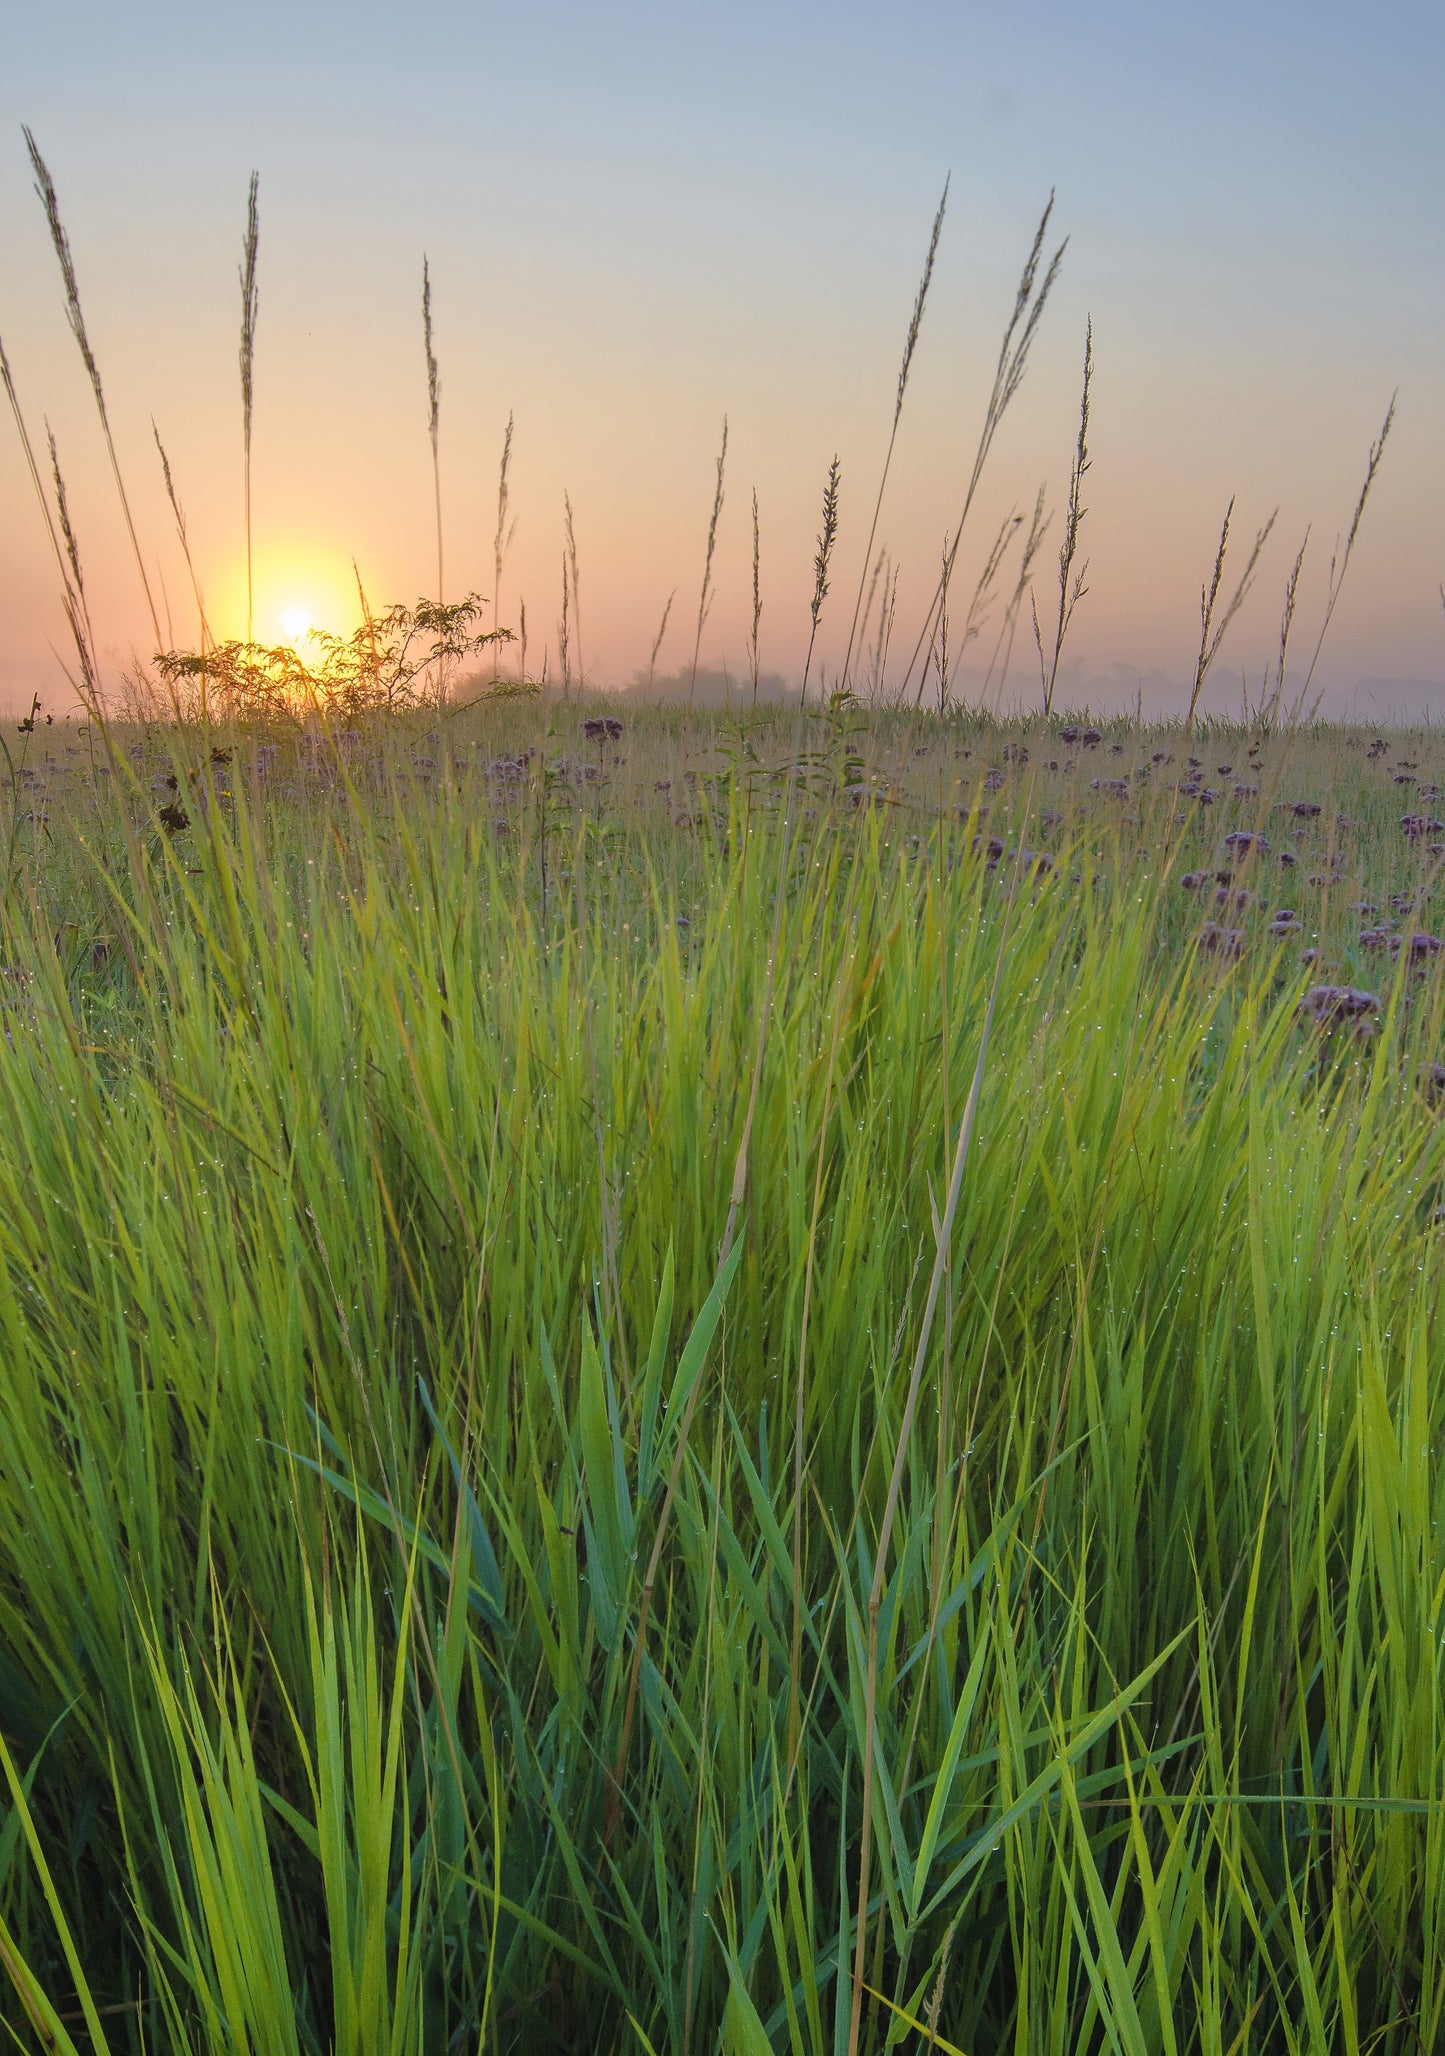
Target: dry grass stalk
x: 502, y: 540
x: 1013, y: 356
x: 434, y: 401
x: 1069, y: 594
x: 657, y: 639
x: 45, y: 188
x: 77, y: 610
x: 827, y: 536
x: 872, y: 595
x: 71, y: 600
x: 1340, y: 564
x: 1033, y: 543
x: 757, y: 597
x: 910, y: 344
x: 184, y: 542
x: 570, y: 569
x: 978, y: 606
x: 250, y: 308
x: 887, y: 609
x: 8, y: 380
x: 1212, y: 634
x: 705, y: 597
x: 1269, y: 701
x: 941, y: 652
x: 564, y: 643
x: 72, y: 550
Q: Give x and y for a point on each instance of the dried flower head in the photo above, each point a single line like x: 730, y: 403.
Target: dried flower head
x: 1339, y: 1006
x: 1417, y: 948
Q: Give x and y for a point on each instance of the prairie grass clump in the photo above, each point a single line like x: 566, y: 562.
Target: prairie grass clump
x: 482, y: 1479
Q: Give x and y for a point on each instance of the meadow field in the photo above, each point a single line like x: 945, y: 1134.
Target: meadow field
x: 752, y: 1380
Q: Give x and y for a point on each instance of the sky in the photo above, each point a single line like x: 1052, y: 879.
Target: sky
x: 640, y: 219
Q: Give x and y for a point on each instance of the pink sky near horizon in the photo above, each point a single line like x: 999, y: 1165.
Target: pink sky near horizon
x: 620, y: 286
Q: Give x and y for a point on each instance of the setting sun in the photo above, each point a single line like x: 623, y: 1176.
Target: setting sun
x: 301, y: 588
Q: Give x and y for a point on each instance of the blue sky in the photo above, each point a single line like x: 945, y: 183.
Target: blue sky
x: 640, y: 218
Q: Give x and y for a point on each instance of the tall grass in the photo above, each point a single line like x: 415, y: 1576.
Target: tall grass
x: 1071, y: 583
x: 250, y: 314
x: 75, y: 316
x: 910, y: 345
x: 433, y: 403
x: 1214, y: 625
x: 1030, y: 299
x: 705, y: 595
x: 369, y: 1356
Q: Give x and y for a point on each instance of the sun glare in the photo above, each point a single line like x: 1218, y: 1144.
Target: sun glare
x: 300, y: 589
